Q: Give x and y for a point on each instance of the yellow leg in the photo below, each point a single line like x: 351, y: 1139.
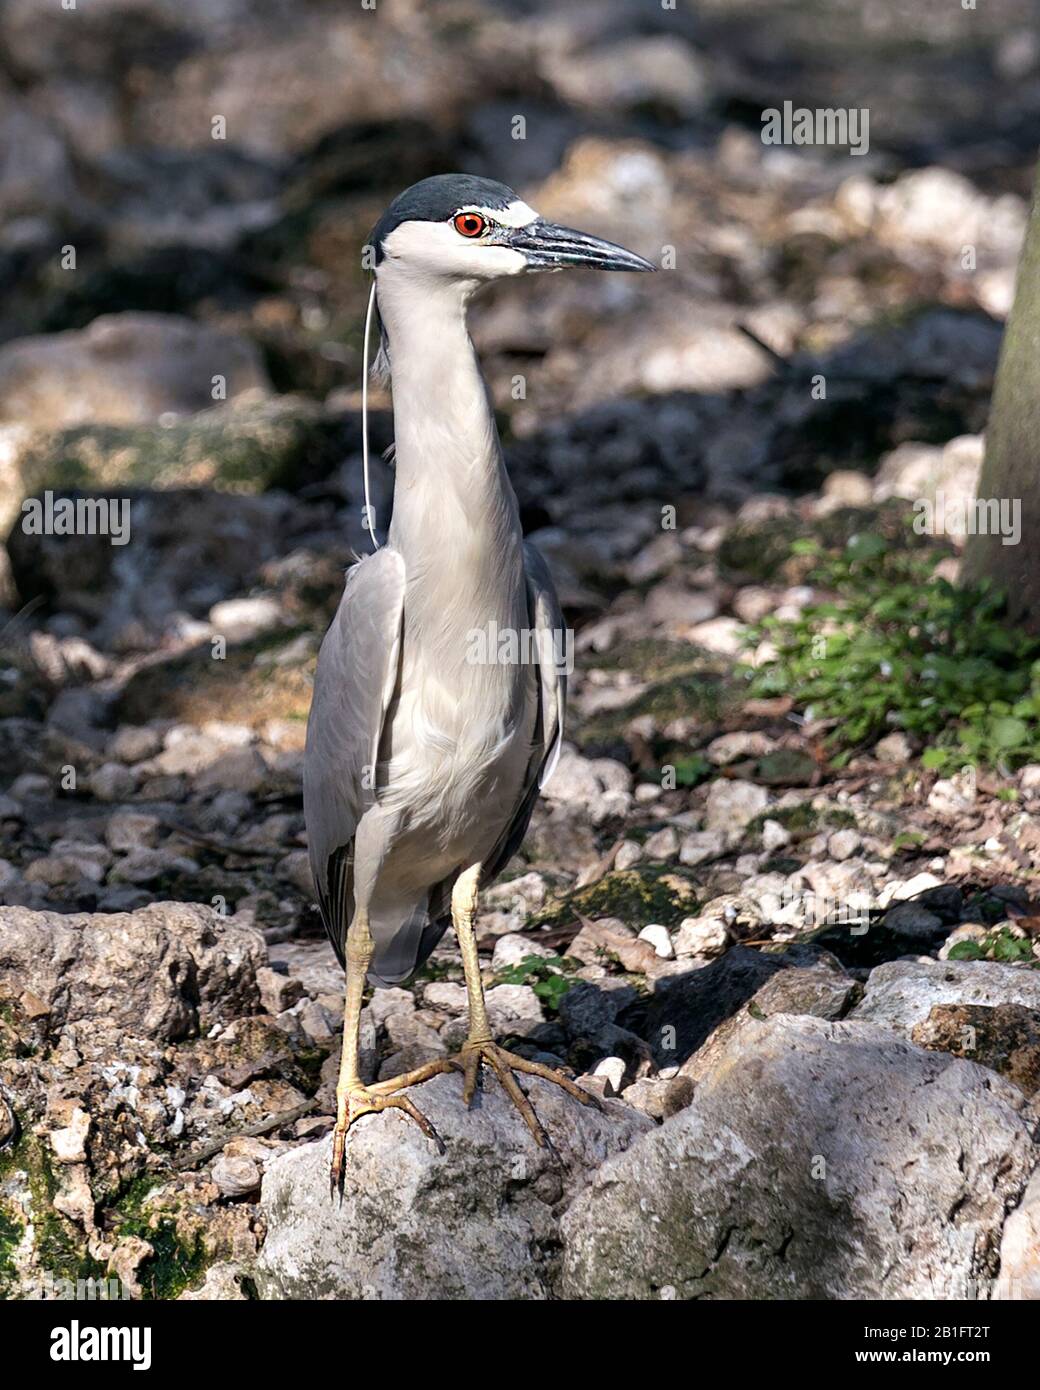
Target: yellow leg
x: 480, y: 1045
x: 353, y: 1097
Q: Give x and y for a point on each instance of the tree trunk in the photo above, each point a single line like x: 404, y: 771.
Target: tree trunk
x: 1011, y: 469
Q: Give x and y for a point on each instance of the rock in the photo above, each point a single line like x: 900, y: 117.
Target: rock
x: 732, y: 804
x: 1005, y: 1038
x: 612, y: 1070
x: 587, y: 1008
x: 774, y: 836
x: 893, y: 748
x: 243, y: 619
x: 478, y: 1222
x: 701, y: 846
x: 630, y: 852
x: 596, y: 787
x: 387, y: 1002
x: 513, y: 1009
x: 728, y: 748
x: 146, y: 866
x: 277, y: 992
x: 129, y: 830
x: 69, y: 1143
x: 167, y: 971
x: 1019, y: 1277
x: 820, y: 990
x: 953, y: 796
x: 659, y: 938
x: 512, y: 948
x: 912, y: 921
x: 701, y: 936
x: 222, y: 1284
x: 235, y: 1177
x: 662, y: 844
x: 112, y: 782
x: 686, y: 1008
x: 123, y: 369
x: 650, y: 1095
x: 902, y: 993
x: 446, y: 997
x: 794, y: 1173
x: 133, y: 743
x: 843, y: 844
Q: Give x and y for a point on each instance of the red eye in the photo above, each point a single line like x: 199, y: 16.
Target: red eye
x: 470, y: 224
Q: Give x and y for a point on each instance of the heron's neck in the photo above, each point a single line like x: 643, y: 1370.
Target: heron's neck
x: 454, y: 507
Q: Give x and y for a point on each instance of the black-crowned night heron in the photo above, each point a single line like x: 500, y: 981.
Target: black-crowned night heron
x: 425, y: 754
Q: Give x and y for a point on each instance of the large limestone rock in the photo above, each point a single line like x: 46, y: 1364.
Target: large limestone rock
x: 167, y: 971
x: 902, y: 993
x: 123, y: 369
x: 817, y: 1160
x: 480, y: 1221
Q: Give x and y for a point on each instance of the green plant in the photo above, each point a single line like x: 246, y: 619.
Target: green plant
x: 997, y: 945
x: 543, y: 975
x: 896, y: 647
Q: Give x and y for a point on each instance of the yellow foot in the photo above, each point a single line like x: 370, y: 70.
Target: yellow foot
x: 351, y: 1104
x: 504, y: 1064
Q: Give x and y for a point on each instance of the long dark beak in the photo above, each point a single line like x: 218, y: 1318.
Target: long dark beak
x: 548, y: 247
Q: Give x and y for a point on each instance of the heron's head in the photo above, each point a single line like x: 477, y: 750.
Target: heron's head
x: 468, y: 229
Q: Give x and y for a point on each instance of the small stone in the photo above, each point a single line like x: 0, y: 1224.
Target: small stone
x: 893, y: 748
x: 908, y: 919
x: 69, y: 1143
x: 127, y: 830
x: 315, y: 1020
x: 843, y: 844
x: 386, y: 1002
x: 647, y: 791
x: 700, y: 846
x: 732, y: 804
x: 953, y: 796
x: 701, y: 936
x: 277, y: 992
x: 112, y: 782
x: 1029, y: 777
x: 512, y: 948
x: 513, y: 1009
x: 630, y: 852
x: 243, y: 619
x: 235, y: 1177
x: 31, y: 786
x: 910, y: 888
x: 659, y: 939
x: 648, y: 1094
x: 728, y: 748
x: 447, y: 997
x: 133, y: 743
x: 143, y: 866
x: 774, y: 836
x: 612, y: 1069
x: 662, y: 845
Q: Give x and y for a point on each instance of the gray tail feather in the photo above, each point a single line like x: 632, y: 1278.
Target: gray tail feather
x: 402, y: 946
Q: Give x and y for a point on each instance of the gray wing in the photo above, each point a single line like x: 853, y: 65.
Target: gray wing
x: 354, y: 684
x: 546, y: 619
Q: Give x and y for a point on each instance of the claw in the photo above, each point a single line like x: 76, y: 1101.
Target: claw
x: 361, y: 1100
x: 504, y: 1064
